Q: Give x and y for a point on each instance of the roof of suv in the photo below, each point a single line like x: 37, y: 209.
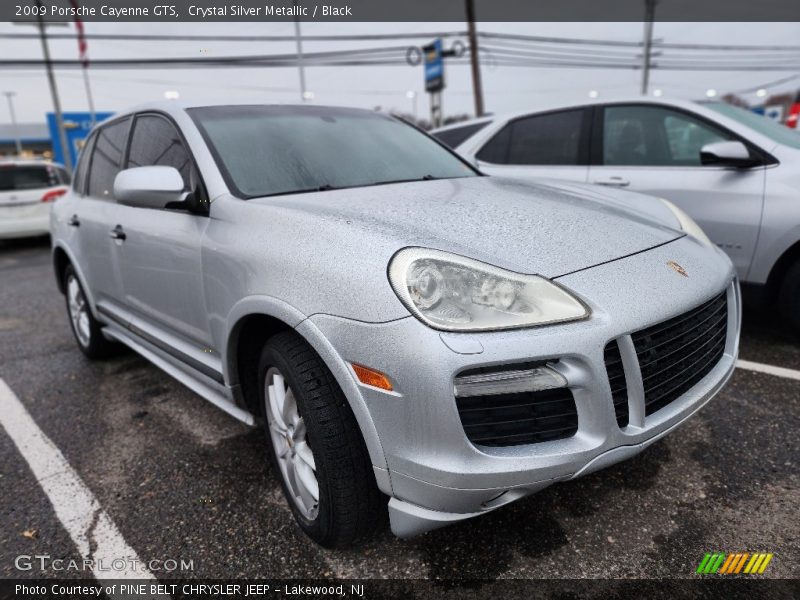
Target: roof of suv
x: 28, y: 162
x: 549, y: 106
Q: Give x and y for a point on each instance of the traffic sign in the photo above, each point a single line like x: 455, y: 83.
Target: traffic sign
x: 434, y: 66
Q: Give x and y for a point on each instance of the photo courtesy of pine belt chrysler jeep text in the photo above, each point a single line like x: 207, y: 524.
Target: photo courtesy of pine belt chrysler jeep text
x: 410, y: 332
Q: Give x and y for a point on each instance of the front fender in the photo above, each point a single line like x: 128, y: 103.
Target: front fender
x: 270, y: 306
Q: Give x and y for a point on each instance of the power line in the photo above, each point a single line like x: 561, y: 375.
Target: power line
x: 769, y: 84
x: 244, y: 38
x: 623, y: 43
x: 411, y: 36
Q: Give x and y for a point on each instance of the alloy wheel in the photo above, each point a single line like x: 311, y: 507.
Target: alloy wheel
x: 289, y: 438
x: 78, y: 311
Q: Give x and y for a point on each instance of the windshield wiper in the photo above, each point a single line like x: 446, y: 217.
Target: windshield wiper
x: 423, y: 178
x: 328, y: 187
x: 320, y: 188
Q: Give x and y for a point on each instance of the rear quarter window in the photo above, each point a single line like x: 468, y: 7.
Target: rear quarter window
x: 457, y: 135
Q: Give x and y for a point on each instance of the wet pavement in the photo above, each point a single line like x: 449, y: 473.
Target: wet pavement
x: 183, y: 480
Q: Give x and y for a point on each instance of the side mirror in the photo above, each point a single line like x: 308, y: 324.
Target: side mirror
x: 149, y: 187
x: 726, y: 154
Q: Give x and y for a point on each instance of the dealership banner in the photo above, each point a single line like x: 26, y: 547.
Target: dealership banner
x: 398, y: 10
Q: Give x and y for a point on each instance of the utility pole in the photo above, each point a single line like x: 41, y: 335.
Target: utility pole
x: 474, y: 59
x: 62, y: 136
x: 17, y: 140
x: 649, y: 13
x: 303, y: 95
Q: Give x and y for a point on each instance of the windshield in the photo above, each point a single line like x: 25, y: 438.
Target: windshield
x: 269, y: 150
x: 761, y: 124
x: 26, y: 178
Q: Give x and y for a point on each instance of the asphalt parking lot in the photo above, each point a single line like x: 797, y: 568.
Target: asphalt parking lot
x: 181, y: 479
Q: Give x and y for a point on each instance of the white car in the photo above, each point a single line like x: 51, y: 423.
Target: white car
x: 27, y: 189
x: 734, y: 172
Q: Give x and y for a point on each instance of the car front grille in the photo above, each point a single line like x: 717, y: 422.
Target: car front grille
x: 673, y: 356
x: 523, y: 418
x: 676, y: 354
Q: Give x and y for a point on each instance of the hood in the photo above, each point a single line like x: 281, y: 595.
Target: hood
x: 543, y: 228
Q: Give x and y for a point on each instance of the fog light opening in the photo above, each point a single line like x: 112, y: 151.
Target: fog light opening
x: 536, y: 379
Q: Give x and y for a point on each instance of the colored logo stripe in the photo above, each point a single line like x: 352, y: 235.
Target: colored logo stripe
x: 741, y: 562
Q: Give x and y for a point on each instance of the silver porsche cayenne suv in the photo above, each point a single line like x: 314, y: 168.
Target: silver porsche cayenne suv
x: 409, y: 332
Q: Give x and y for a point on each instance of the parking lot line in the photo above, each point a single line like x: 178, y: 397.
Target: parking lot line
x: 769, y: 369
x: 91, y: 529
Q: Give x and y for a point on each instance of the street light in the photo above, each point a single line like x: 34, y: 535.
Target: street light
x: 308, y: 95
x: 17, y: 141
x: 761, y: 93
x: 412, y: 95
x: 593, y: 94
x: 657, y: 93
x: 711, y: 93
x: 171, y: 95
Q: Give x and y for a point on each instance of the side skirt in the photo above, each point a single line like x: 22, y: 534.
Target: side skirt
x: 185, y: 375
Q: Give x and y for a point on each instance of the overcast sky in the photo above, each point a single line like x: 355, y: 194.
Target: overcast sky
x: 505, y: 88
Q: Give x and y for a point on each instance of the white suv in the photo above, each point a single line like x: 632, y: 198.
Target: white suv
x: 734, y: 172
x: 27, y: 189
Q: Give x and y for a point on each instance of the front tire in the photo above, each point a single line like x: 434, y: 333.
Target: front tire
x: 789, y: 298
x: 315, y: 445
x: 85, y: 328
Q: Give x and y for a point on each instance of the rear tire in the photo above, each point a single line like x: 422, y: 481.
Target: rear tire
x: 789, y: 298
x: 85, y: 328
x: 315, y: 445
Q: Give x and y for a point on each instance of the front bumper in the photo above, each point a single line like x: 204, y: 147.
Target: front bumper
x: 437, y: 475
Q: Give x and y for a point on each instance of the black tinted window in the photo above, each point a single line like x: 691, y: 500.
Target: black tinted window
x: 496, y: 149
x: 156, y: 142
x: 13, y: 177
x: 454, y: 137
x: 106, y: 157
x: 551, y: 139
x: 83, y: 164
x: 655, y: 136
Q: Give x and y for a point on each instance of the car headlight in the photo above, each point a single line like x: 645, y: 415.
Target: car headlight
x: 453, y: 293
x: 687, y: 224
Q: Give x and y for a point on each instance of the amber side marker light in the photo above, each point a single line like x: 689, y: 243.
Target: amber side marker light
x: 372, y: 377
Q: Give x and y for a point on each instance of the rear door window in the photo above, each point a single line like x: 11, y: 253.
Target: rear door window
x: 548, y: 139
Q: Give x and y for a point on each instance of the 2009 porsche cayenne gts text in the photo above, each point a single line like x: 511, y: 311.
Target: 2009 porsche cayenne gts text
x: 406, y: 329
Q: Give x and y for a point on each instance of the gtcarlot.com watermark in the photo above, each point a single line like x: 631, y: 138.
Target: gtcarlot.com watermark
x: 44, y: 562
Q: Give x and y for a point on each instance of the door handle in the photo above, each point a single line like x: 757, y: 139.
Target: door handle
x: 613, y: 181
x: 74, y: 222
x: 117, y: 233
